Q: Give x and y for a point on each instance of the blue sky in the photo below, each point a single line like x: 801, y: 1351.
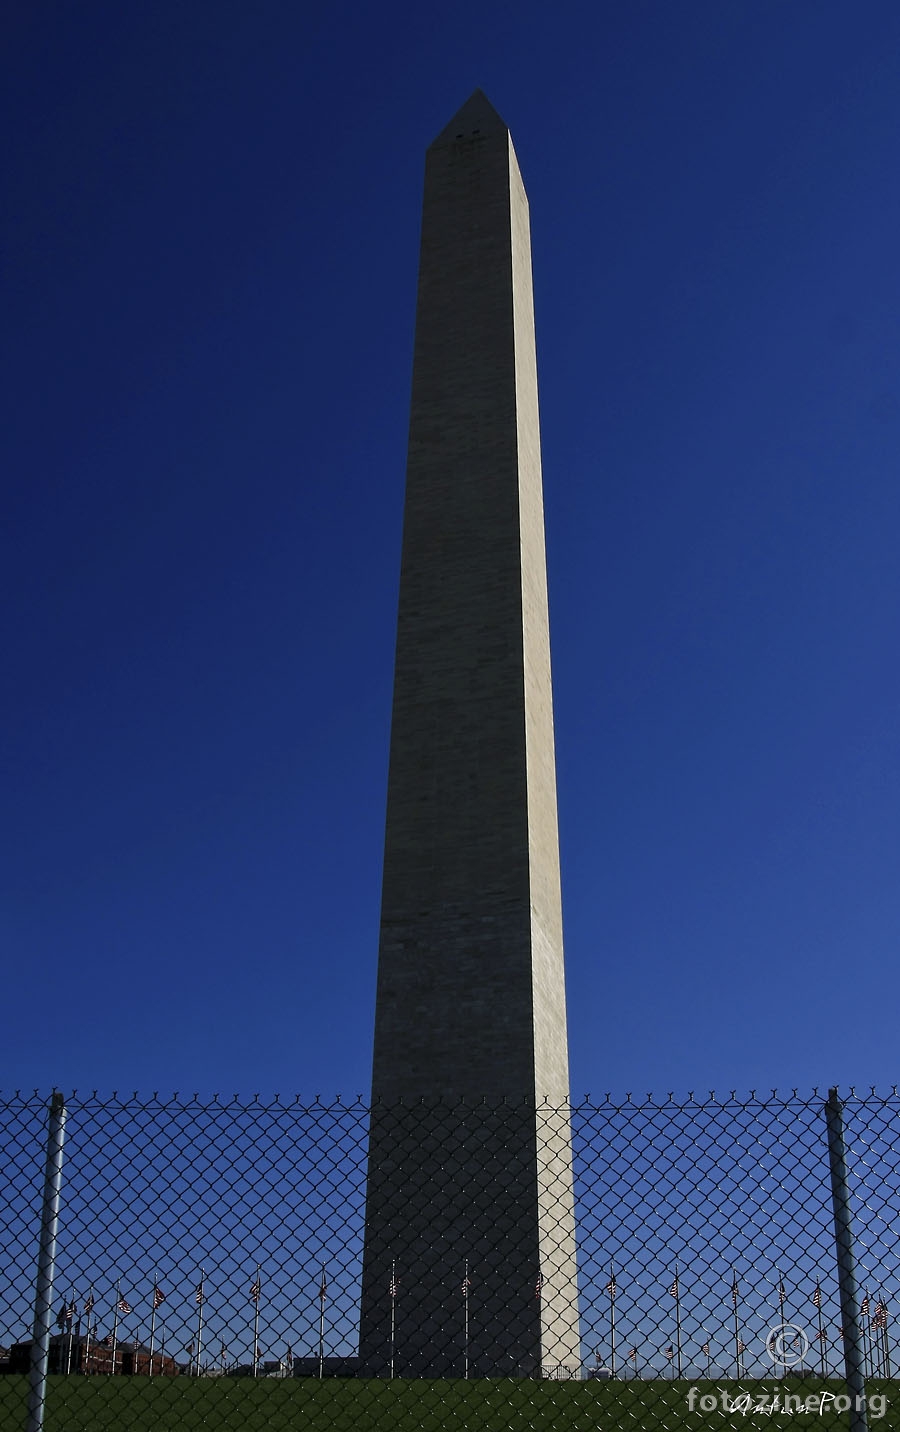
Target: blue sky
x: 208, y: 292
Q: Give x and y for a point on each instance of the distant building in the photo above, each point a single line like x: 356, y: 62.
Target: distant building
x: 74, y: 1353
x: 136, y: 1362
x: 329, y: 1366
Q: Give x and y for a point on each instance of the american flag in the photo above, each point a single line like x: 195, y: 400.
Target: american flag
x: 62, y: 1317
x: 742, y: 1346
x: 781, y: 1294
x: 612, y: 1287
x: 705, y: 1349
x: 817, y: 1297
x: 673, y: 1291
x: 89, y: 1305
x: 734, y: 1292
x: 200, y: 1296
x: 466, y: 1285
x: 394, y: 1286
x: 879, y: 1317
x: 632, y: 1353
x: 822, y: 1336
x: 123, y: 1305
x: 864, y: 1307
x: 323, y: 1286
x: 539, y: 1285
x: 256, y: 1289
x: 670, y: 1353
x: 159, y: 1296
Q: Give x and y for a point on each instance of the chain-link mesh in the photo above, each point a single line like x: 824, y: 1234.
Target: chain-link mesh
x: 216, y: 1265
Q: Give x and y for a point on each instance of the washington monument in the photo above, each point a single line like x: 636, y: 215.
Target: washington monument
x: 469, y: 1264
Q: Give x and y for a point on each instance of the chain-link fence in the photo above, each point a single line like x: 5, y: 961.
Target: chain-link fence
x: 173, y: 1264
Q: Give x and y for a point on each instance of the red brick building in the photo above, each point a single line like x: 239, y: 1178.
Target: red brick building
x: 73, y: 1354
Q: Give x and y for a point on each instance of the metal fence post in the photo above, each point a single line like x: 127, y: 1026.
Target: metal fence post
x: 843, y: 1237
x: 43, y: 1293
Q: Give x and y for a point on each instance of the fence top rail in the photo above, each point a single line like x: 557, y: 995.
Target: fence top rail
x: 869, y: 1097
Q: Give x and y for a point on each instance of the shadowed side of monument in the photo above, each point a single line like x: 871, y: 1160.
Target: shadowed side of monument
x: 467, y: 1170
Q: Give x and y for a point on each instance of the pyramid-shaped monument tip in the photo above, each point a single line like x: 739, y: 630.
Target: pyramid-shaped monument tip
x: 477, y: 116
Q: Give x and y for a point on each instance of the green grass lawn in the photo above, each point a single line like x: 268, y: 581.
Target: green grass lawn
x: 137, y: 1404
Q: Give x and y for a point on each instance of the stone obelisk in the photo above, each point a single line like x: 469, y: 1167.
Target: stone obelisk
x: 469, y: 1263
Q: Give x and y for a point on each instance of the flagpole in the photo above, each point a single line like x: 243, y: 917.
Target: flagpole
x: 322, y: 1325
x: 737, y: 1327
x: 393, y: 1292
x: 115, y: 1329
x: 86, y: 1348
x: 704, y: 1348
x: 199, y: 1321
x: 781, y: 1301
x: 466, y: 1315
x: 70, y: 1322
x: 887, y: 1346
x: 873, y: 1341
x: 257, y: 1289
x: 817, y: 1302
x: 152, y: 1326
x: 675, y: 1292
x: 612, y: 1319
x: 882, y: 1333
